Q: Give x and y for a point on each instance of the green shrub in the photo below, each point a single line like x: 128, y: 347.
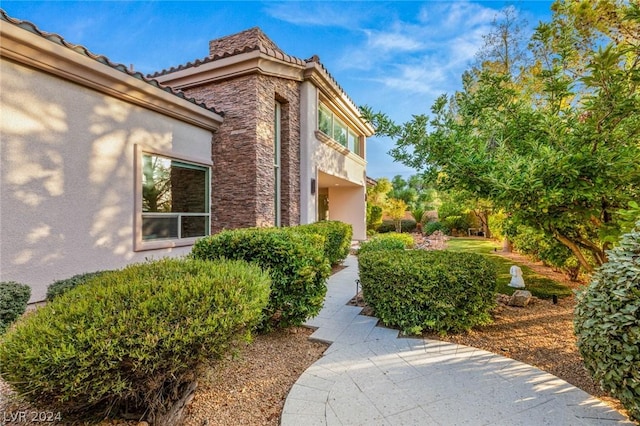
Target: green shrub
x: 607, y: 323
x: 337, y: 236
x: 390, y: 241
x: 135, y: 342
x: 406, y: 225
x: 420, y: 290
x: 432, y: 227
x: 13, y: 302
x: 297, y: 265
x: 62, y: 286
x: 374, y: 216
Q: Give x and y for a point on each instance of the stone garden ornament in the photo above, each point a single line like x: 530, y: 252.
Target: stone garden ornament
x: 516, y: 277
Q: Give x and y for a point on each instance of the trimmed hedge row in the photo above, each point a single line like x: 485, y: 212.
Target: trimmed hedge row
x: 295, y: 260
x: 390, y: 241
x: 133, y: 340
x: 13, y: 302
x: 418, y: 290
x: 337, y: 238
x: 406, y: 225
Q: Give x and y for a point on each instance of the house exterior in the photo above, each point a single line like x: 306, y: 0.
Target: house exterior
x: 292, y: 148
x: 102, y: 166
x: 79, y: 138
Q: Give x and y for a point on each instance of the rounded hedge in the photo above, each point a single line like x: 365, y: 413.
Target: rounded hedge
x: 607, y: 323
x: 337, y: 237
x: 13, y: 302
x: 132, y: 340
x: 296, y: 263
x: 418, y: 290
x: 62, y: 286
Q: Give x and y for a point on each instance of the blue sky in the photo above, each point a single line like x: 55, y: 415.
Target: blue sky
x: 396, y: 57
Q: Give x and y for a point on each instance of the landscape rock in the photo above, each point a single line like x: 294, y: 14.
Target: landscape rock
x: 520, y: 298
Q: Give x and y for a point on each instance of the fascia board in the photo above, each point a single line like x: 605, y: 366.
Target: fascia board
x: 230, y: 67
x: 335, y: 95
x: 35, y: 51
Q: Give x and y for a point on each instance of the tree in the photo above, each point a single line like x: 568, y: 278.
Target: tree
x: 558, y: 149
x: 397, y: 209
x: 377, y: 199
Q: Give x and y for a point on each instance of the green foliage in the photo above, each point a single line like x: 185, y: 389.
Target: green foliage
x: 62, y: 286
x: 432, y: 227
x: 374, y: 216
x: 296, y: 263
x: 13, y: 302
x: 420, y: 290
x: 555, y: 142
x: 406, y: 225
x: 607, y: 323
x: 337, y: 238
x: 390, y: 241
x: 540, y: 286
x: 132, y: 340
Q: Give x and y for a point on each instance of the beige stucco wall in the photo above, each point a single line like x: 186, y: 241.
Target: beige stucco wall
x: 347, y: 203
x: 67, y: 175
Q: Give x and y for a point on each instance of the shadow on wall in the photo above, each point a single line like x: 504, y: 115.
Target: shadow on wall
x: 67, y: 177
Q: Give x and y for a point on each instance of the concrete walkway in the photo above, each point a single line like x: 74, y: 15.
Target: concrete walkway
x: 369, y: 376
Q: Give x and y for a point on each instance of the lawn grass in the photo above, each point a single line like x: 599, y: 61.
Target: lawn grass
x: 538, y: 285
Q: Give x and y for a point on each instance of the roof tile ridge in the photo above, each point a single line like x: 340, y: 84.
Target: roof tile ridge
x: 316, y: 59
x: 77, y: 48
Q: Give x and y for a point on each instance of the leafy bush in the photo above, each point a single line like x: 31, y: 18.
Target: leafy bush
x: 607, y: 323
x: 437, y: 290
x: 390, y: 241
x: 374, y: 216
x: 135, y: 342
x: 407, y: 225
x: 13, y: 302
x: 62, y: 286
x: 337, y: 237
x: 432, y: 227
x: 296, y: 262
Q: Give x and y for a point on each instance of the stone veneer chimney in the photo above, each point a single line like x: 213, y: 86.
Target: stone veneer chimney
x: 251, y: 39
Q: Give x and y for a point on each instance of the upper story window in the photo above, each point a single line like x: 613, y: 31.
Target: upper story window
x: 336, y: 129
x: 174, y: 202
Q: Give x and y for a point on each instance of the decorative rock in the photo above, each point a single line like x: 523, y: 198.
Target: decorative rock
x: 520, y: 298
x: 516, y: 277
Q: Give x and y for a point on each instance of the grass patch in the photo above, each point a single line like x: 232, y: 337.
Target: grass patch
x: 537, y: 284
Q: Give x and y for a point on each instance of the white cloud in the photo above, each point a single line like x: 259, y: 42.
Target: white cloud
x: 342, y: 15
x: 387, y: 41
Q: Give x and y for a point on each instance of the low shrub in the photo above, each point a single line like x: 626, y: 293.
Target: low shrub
x: 607, y: 323
x: 420, y: 290
x: 136, y: 342
x: 62, y: 286
x: 297, y: 265
x: 337, y: 237
x: 406, y: 225
x: 13, y: 302
x: 390, y: 241
x: 432, y: 227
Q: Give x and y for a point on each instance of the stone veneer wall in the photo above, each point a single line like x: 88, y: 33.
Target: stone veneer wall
x: 242, y: 152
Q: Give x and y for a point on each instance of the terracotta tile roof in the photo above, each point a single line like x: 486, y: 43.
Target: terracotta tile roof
x: 316, y: 59
x: 245, y: 41
x: 55, y: 38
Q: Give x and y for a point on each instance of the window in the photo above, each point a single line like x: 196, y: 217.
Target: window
x: 174, y: 200
x: 336, y: 129
x: 277, y: 125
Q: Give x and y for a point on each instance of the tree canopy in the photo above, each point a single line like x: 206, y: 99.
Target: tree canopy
x: 552, y: 138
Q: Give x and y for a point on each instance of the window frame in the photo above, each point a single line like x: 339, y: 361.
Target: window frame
x: 139, y: 243
x: 336, y: 123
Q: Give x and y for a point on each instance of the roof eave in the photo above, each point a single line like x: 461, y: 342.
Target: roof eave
x: 316, y: 74
x: 26, y: 47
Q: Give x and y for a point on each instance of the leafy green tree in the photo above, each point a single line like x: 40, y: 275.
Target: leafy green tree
x: 377, y: 200
x: 396, y: 209
x: 557, y: 148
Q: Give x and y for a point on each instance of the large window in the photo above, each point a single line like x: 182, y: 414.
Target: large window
x: 174, y: 199
x: 335, y: 128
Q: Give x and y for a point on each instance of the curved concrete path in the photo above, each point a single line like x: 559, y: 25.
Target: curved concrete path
x: 369, y: 376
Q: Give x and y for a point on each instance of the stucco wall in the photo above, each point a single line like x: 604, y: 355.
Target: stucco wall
x: 67, y: 176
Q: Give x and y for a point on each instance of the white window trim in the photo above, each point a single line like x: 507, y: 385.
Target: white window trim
x: 138, y: 243
x: 334, y: 117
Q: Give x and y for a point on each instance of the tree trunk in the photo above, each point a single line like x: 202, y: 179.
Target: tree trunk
x: 172, y: 414
x: 576, y: 251
x: 506, y: 245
